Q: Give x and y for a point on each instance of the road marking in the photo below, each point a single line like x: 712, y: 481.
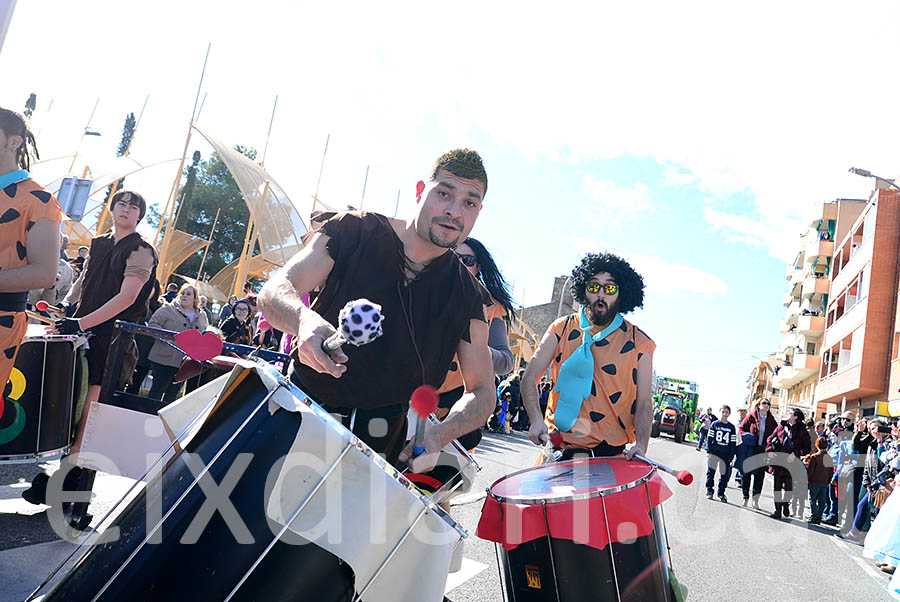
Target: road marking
x: 469, y: 569
x: 862, y: 562
x: 468, y: 499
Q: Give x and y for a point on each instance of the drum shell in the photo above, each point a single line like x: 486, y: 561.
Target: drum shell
x: 580, y: 572
x: 51, y: 371
x: 209, y: 569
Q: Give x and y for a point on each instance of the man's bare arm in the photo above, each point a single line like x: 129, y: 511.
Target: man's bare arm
x: 473, y: 408
x: 477, y: 403
x: 280, y: 301
x: 538, y: 365
x: 643, y: 412
x: 42, y: 248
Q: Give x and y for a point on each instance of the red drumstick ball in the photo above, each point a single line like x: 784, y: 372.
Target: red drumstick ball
x: 424, y: 400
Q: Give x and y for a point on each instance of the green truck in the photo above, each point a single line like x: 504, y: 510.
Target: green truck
x: 675, y: 407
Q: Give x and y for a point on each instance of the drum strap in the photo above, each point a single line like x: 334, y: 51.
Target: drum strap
x: 13, y: 301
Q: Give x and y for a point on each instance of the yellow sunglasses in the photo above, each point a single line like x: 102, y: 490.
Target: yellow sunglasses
x: 609, y: 289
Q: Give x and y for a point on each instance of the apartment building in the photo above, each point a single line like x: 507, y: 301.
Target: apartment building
x: 803, y: 327
x: 760, y: 383
x: 859, y: 359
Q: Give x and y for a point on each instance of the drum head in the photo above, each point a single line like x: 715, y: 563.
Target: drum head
x: 571, y: 480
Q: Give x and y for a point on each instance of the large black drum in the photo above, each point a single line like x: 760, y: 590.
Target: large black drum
x: 43, y: 389
x: 159, y: 556
x: 580, y: 530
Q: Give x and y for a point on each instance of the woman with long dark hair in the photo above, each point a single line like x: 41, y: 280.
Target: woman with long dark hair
x: 481, y: 265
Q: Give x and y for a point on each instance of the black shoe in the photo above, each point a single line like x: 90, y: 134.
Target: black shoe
x: 786, y: 509
x: 37, y: 493
x: 709, y: 494
x: 80, y: 523
x: 830, y: 521
x: 722, y: 498
x: 776, y: 514
x: 814, y: 521
x: 744, y: 503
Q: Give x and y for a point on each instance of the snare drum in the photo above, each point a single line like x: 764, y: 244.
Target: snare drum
x: 41, y: 394
x: 319, y: 515
x: 580, y: 530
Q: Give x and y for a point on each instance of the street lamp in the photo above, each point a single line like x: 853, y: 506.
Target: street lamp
x: 868, y: 174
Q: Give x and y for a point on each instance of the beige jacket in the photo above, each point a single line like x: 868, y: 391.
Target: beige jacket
x: 171, y: 316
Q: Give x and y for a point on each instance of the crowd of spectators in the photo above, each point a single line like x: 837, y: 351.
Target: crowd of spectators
x: 849, y: 468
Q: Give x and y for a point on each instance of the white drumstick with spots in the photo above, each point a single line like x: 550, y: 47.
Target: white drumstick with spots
x: 359, y: 323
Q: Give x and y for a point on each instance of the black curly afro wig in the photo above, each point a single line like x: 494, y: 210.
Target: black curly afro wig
x: 631, y: 285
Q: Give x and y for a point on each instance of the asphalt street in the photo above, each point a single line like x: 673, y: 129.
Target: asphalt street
x: 720, y: 551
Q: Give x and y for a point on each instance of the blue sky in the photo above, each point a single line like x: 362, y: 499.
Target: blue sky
x: 690, y: 137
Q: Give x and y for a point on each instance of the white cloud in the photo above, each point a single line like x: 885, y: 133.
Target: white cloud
x: 662, y: 277
x: 778, y: 234
x: 614, y: 204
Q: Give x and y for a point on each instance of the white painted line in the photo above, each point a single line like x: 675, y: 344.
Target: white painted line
x: 469, y: 569
x: 855, y: 553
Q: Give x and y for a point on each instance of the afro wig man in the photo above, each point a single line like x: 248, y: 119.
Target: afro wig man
x: 631, y: 285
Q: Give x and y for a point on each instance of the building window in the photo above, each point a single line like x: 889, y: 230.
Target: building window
x: 869, y: 224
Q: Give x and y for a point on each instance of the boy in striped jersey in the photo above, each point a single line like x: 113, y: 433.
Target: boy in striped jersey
x: 721, y: 443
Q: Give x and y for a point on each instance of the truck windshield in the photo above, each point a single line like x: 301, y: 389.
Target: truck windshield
x: 673, y: 401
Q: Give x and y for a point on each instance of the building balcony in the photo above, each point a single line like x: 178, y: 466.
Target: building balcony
x: 801, y: 367
x: 811, y: 326
x: 813, y: 286
x: 819, y: 249
x: 793, y: 310
x: 786, y: 300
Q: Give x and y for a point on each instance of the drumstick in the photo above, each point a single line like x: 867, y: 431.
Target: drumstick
x: 423, y: 401
x: 684, y: 477
x: 39, y: 317
x: 44, y: 306
x: 360, y: 323
x: 552, y: 442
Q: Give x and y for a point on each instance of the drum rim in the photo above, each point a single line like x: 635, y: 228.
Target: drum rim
x: 534, y: 500
x: 364, y: 449
x: 35, y: 456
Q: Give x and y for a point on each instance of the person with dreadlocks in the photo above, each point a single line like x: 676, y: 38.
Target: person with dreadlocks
x: 29, y: 237
x: 482, y: 266
x: 433, y: 310
x: 601, y: 363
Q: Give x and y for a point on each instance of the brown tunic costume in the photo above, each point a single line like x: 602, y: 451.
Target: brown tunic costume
x: 103, y: 277
x: 430, y: 314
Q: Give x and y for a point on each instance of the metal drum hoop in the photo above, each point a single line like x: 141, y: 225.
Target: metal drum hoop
x: 576, y: 497
x: 362, y: 447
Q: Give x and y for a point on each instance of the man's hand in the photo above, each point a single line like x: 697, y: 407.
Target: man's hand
x: 427, y: 460
x: 538, y: 433
x: 68, y: 326
x: 637, y: 448
x: 311, y: 333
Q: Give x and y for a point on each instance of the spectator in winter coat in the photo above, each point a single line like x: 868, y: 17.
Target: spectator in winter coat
x: 705, y: 422
x: 183, y: 313
x: 226, y: 310
x: 760, y: 424
x: 239, y: 327
x: 792, y: 438
x: 875, y: 446
x: 819, y: 470
x: 721, y: 442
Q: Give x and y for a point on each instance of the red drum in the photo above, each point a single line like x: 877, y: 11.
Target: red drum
x: 580, y: 530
